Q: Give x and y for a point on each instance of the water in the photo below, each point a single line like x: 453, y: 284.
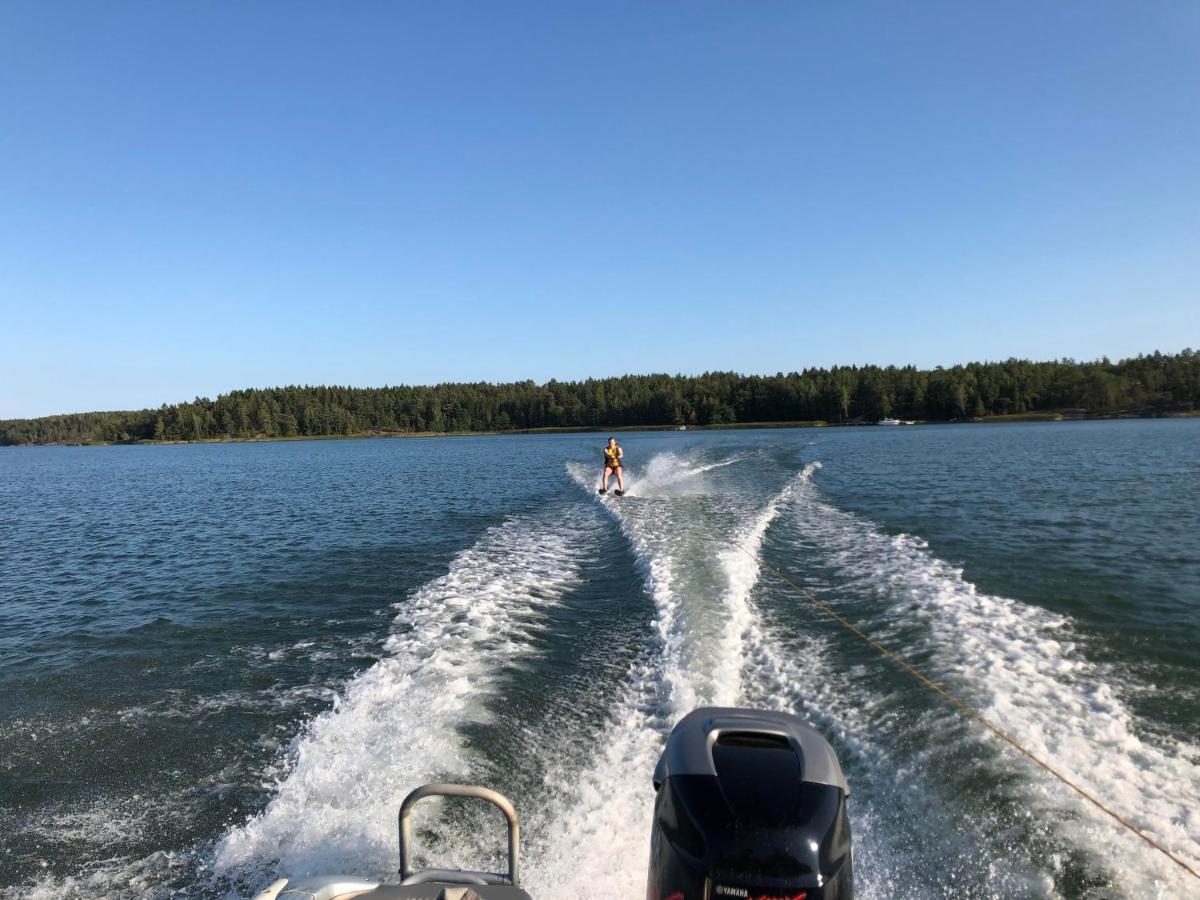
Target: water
x: 220, y: 662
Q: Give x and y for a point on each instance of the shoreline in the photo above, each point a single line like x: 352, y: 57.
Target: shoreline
x: 1050, y: 416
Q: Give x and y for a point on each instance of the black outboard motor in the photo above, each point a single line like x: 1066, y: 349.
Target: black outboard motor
x: 750, y: 804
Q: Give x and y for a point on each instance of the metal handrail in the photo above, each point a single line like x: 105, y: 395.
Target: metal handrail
x: 460, y: 790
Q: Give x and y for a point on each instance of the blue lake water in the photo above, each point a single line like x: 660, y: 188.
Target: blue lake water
x: 223, y: 662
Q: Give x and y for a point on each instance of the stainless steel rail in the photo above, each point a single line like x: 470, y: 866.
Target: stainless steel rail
x: 463, y: 877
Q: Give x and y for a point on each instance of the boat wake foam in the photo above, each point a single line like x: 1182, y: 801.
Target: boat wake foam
x: 1022, y: 668
x: 715, y: 636
x: 595, y: 822
x: 397, y: 725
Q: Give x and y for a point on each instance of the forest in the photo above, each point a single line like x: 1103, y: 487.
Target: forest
x: 1148, y: 385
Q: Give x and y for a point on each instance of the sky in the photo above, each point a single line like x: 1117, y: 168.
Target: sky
x: 199, y: 197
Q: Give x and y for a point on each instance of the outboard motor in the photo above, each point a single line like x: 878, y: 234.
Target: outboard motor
x: 750, y: 804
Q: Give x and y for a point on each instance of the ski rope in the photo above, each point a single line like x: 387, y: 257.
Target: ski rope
x: 969, y: 711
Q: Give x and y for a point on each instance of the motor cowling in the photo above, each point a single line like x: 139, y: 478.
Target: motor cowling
x: 749, y: 804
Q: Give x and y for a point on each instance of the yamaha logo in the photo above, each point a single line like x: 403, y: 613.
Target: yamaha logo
x: 727, y: 890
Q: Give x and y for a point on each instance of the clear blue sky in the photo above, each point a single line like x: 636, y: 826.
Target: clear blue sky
x: 196, y: 197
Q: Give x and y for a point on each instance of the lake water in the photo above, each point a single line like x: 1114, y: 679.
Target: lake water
x: 220, y: 662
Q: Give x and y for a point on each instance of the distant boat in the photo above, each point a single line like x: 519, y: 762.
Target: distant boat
x: 889, y: 422
x: 681, y: 428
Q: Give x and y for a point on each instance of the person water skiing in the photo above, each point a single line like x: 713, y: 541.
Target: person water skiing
x: 613, y: 455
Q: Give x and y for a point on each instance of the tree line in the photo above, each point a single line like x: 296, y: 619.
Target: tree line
x: 1155, y: 384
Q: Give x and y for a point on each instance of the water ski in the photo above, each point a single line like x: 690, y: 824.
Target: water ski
x: 618, y: 492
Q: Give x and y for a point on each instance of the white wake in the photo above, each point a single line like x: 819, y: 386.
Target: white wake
x: 1020, y: 666
x: 596, y: 822
x: 397, y: 725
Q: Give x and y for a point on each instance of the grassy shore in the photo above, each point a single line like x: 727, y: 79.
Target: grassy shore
x: 1048, y: 416
x: 1028, y: 417
x: 577, y: 429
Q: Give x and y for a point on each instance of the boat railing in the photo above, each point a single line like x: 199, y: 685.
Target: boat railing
x: 459, y: 876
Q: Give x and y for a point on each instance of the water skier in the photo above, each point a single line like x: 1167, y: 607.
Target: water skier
x: 613, y: 454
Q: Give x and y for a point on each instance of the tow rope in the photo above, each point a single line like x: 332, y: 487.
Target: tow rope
x: 967, y: 710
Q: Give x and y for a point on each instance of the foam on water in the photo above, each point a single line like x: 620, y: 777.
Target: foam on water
x: 111, y: 879
x: 739, y: 560
x: 393, y: 727
x: 599, y: 827
x: 665, y: 475
x: 759, y: 668
x: 709, y: 642
x: 1022, y: 668
x: 892, y: 804
x: 591, y: 834
x: 397, y: 725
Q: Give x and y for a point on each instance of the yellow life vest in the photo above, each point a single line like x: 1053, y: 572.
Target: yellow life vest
x: 612, y: 457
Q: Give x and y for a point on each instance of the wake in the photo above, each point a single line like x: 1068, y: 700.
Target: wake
x: 666, y: 475
x: 397, y: 725
x: 597, y: 830
x: 711, y: 641
x: 1009, y: 658
x: 713, y: 646
x: 717, y: 635
x: 1019, y: 666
